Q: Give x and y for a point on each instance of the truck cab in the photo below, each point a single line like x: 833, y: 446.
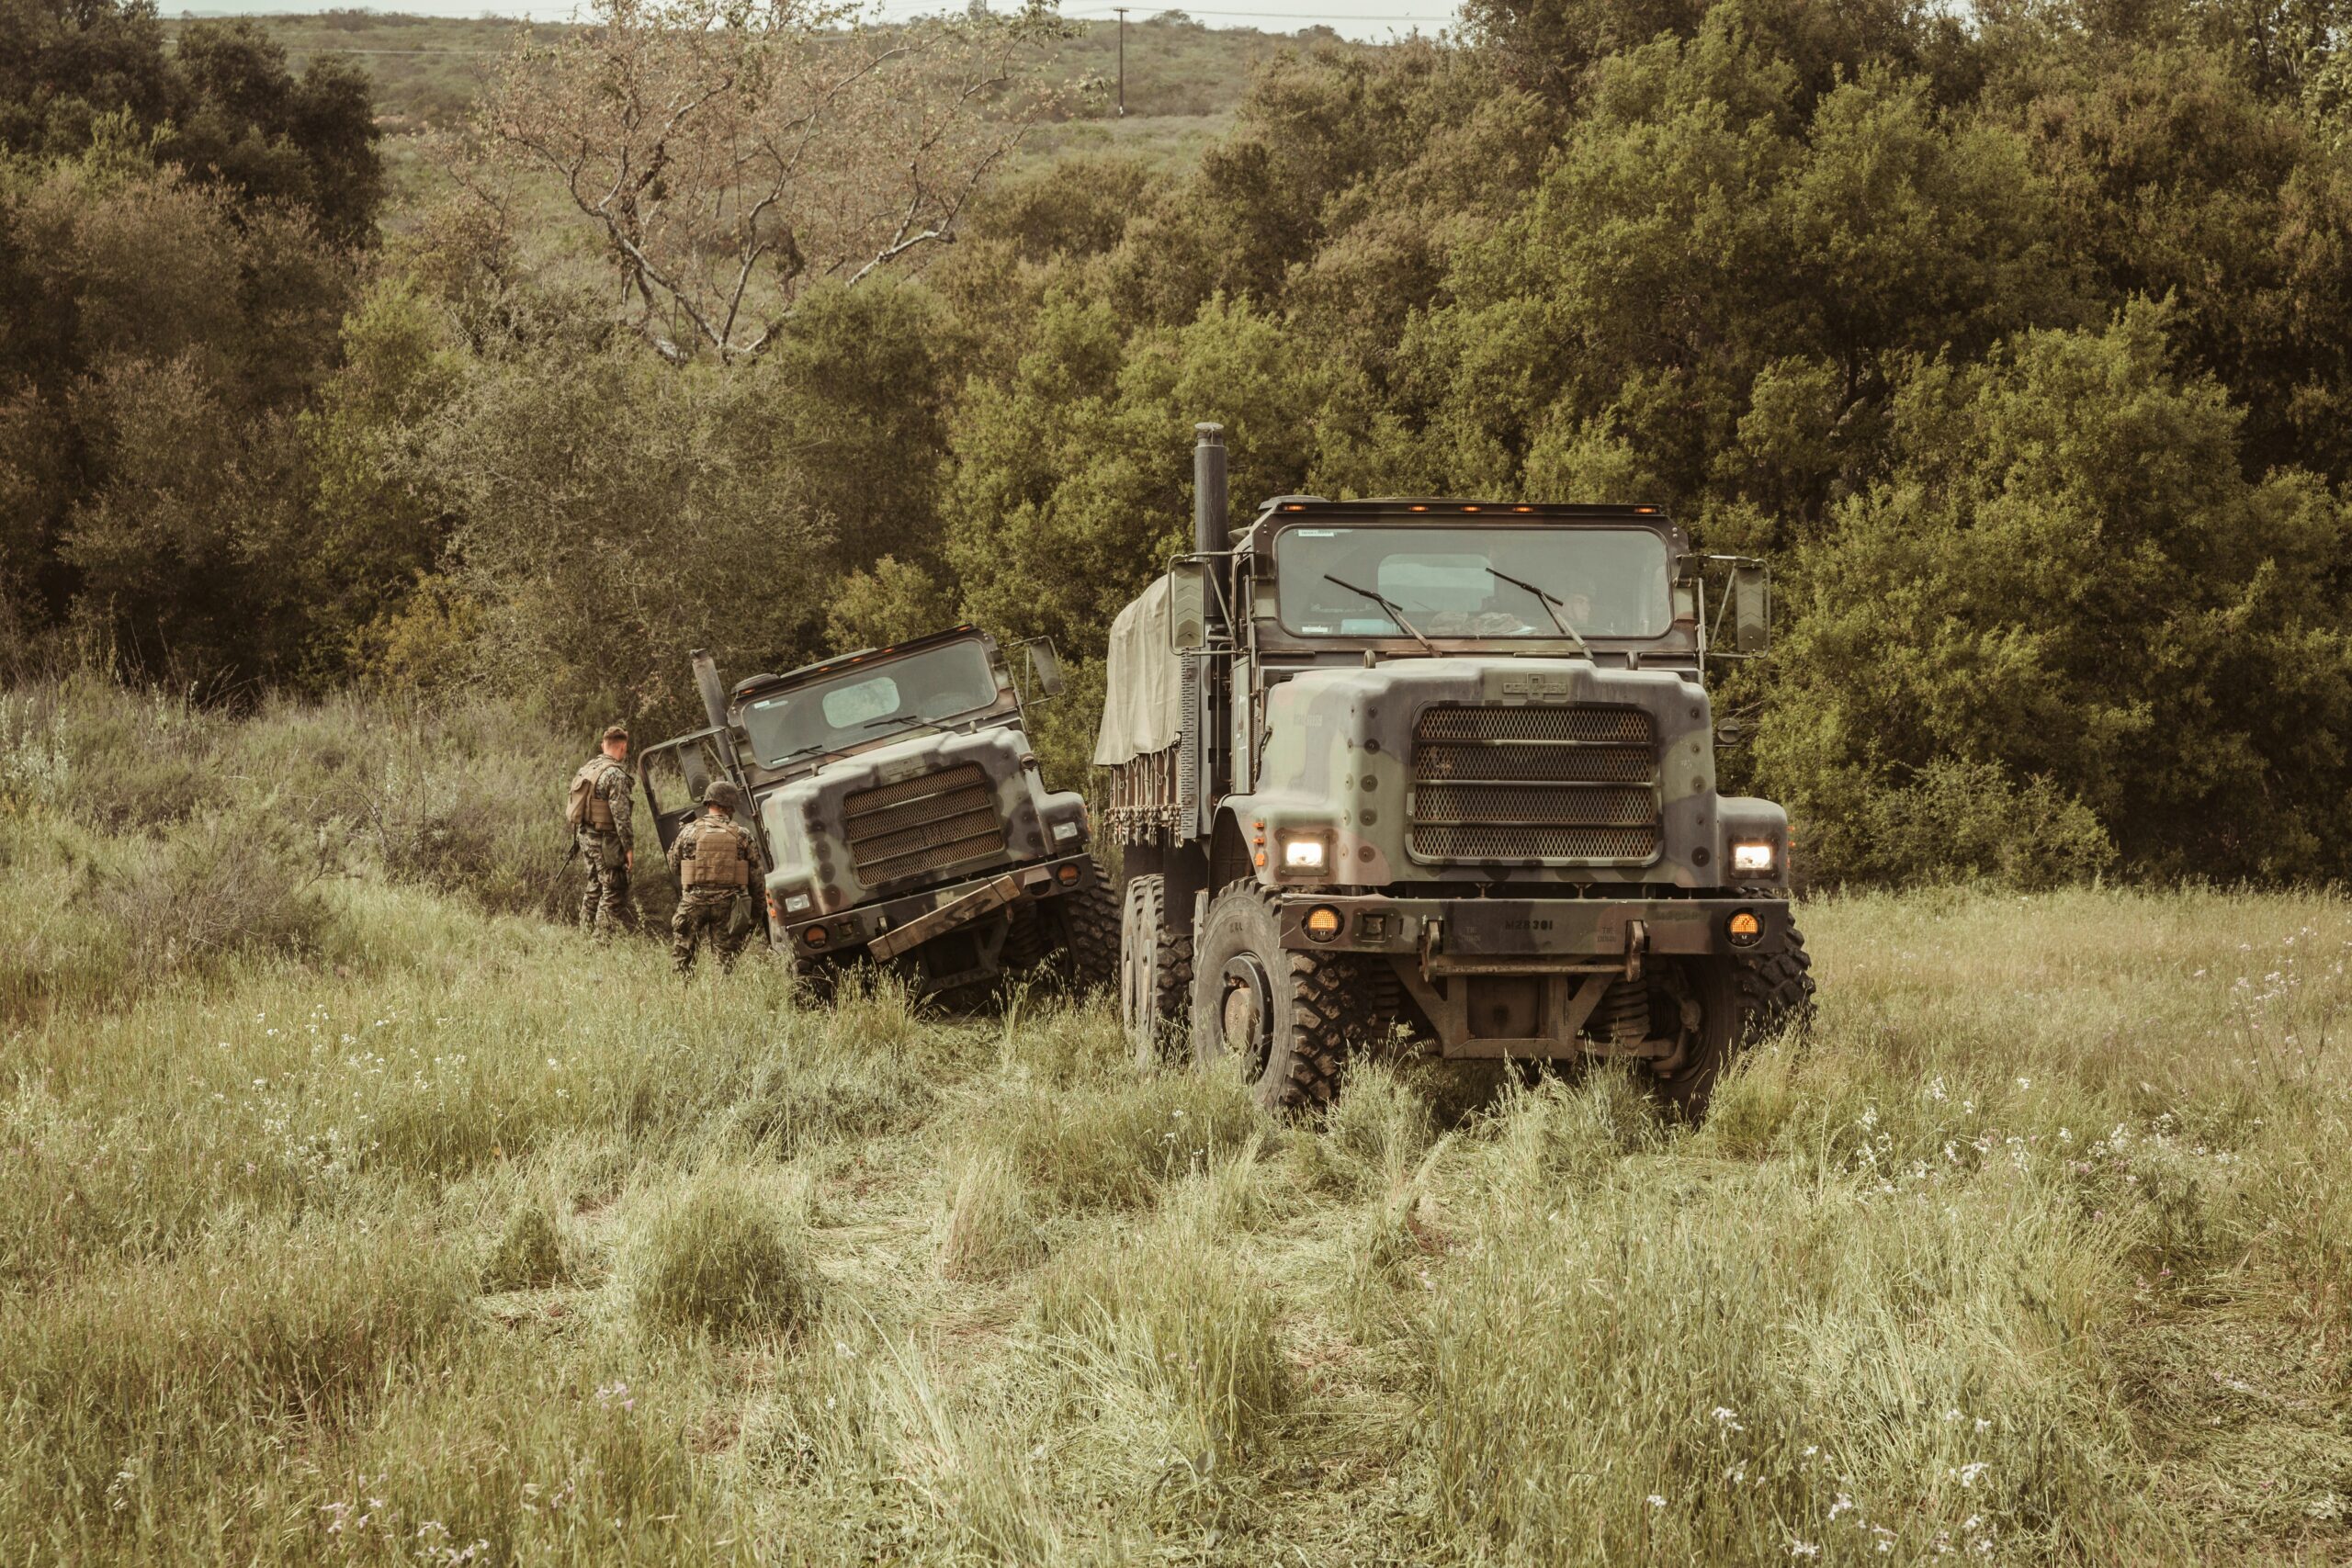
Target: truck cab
x: 1446, y: 767
x: 900, y: 814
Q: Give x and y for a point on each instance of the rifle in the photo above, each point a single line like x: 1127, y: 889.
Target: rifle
x: 547, y: 894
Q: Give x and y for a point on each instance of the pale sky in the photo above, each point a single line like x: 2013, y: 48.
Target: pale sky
x: 1376, y: 20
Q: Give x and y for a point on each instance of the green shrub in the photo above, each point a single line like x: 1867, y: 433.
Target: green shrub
x: 224, y: 883
x: 722, y: 1259
x: 1961, y: 821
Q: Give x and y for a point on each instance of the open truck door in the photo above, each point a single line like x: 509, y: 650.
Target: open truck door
x: 674, y: 774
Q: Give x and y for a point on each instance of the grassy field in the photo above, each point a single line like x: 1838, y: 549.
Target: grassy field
x: 404, y: 1231
x: 1182, y: 79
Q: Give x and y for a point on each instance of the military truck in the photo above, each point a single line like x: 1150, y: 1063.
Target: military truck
x: 1446, y: 767
x: 900, y: 816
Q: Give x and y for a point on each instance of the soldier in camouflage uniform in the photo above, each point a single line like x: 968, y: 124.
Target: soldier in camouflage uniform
x: 714, y: 859
x: 599, y: 813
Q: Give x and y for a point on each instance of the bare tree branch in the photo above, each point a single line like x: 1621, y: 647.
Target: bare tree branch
x: 729, y: 154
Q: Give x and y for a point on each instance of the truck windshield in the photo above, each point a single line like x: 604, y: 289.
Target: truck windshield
x: 1456, y: 582
x: 861, y: 704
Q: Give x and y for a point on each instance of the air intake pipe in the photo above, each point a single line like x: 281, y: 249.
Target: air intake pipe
x: 1209, y: 511
x: 714, y: 692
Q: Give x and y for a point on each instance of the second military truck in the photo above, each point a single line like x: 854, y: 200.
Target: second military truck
x: 900, y: 816
x: 1440, y: 766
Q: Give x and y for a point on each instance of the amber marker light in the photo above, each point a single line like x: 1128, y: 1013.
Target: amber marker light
x: 1744, y: 928
x: 814, y: 936
x: 1323, y: 922
x: 1068, y: 876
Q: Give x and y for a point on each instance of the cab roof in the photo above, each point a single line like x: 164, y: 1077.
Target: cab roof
x: 842, y: 662
x: 1283, y: 506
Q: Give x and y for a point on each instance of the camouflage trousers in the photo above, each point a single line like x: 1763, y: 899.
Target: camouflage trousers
x: 606, y: 906
x: 706, y: 912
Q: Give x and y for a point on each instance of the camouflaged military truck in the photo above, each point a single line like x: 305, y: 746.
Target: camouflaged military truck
x: 1447, y: 765
x: 899, y: 815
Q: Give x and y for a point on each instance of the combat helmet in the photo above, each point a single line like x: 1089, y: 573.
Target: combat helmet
x: 722, y: 794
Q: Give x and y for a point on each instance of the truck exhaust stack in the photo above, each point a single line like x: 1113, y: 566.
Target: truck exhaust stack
x: 714, y: 694
x: 1209, y: 535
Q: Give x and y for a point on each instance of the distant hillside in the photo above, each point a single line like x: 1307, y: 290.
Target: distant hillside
x: 1182, y: 78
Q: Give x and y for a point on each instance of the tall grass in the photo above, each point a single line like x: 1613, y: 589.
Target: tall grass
x: 428, y: 1229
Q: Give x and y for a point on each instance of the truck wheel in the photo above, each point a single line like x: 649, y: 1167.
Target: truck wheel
x: 1154, y: 969
x: 1292, y: 1018
x: 817, y: 977
x: 1027, y: 942
x: 1090, y: 936
x: 1744, y: 997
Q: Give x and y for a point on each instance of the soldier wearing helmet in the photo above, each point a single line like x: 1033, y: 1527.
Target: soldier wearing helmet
x: 714, y: 859
x: 598, y: 810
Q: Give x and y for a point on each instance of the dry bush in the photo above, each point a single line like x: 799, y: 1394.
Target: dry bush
x: 226, y: 883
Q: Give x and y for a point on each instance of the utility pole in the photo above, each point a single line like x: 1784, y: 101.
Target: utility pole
x: 1122, y: 60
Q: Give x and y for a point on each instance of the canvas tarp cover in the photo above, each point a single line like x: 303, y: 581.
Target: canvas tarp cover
x: 1142, y: 709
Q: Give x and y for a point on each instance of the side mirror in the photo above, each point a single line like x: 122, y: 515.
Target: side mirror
x: 1045, y: 668
x: 1188, y: 619
x: 1751, y: 609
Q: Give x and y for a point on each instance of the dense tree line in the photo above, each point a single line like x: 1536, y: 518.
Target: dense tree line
x: 2020, y: 342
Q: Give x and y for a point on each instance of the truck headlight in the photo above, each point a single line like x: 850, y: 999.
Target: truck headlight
x: 795, y: 902
x: 1302, y: 854
x: 1065, y: 831
x: 1751, y: 857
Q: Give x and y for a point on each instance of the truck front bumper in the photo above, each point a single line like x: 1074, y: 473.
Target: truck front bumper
x: 847, y: 932
x: 1501, y: 936
x: 1520, y: 977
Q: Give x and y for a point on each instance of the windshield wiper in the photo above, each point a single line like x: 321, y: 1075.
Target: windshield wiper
x: 798, y: 751
x: 1395, y: 614
x: 1551, y: 607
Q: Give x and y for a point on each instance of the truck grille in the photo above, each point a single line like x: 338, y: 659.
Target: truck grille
x: 923, y: 825
x: 1535, y: 784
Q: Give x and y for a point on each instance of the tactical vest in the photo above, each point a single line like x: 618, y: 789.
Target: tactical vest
x: 718, y: 855
x: 587, y: 807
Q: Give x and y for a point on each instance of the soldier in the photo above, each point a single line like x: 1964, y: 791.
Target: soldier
x: 713, y: 858
x: 598, y: 812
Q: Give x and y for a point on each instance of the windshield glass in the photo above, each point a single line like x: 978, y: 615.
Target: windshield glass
x: 869, y: 700
x: 1454, y: 583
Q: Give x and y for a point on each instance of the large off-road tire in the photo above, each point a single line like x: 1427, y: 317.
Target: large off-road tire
x: 1293, y: 1018
x: 1742, y: 999
x: 1154, y: 969
x: 818, y: 978
x: 1029, y: 941
x: 1090, y: 920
